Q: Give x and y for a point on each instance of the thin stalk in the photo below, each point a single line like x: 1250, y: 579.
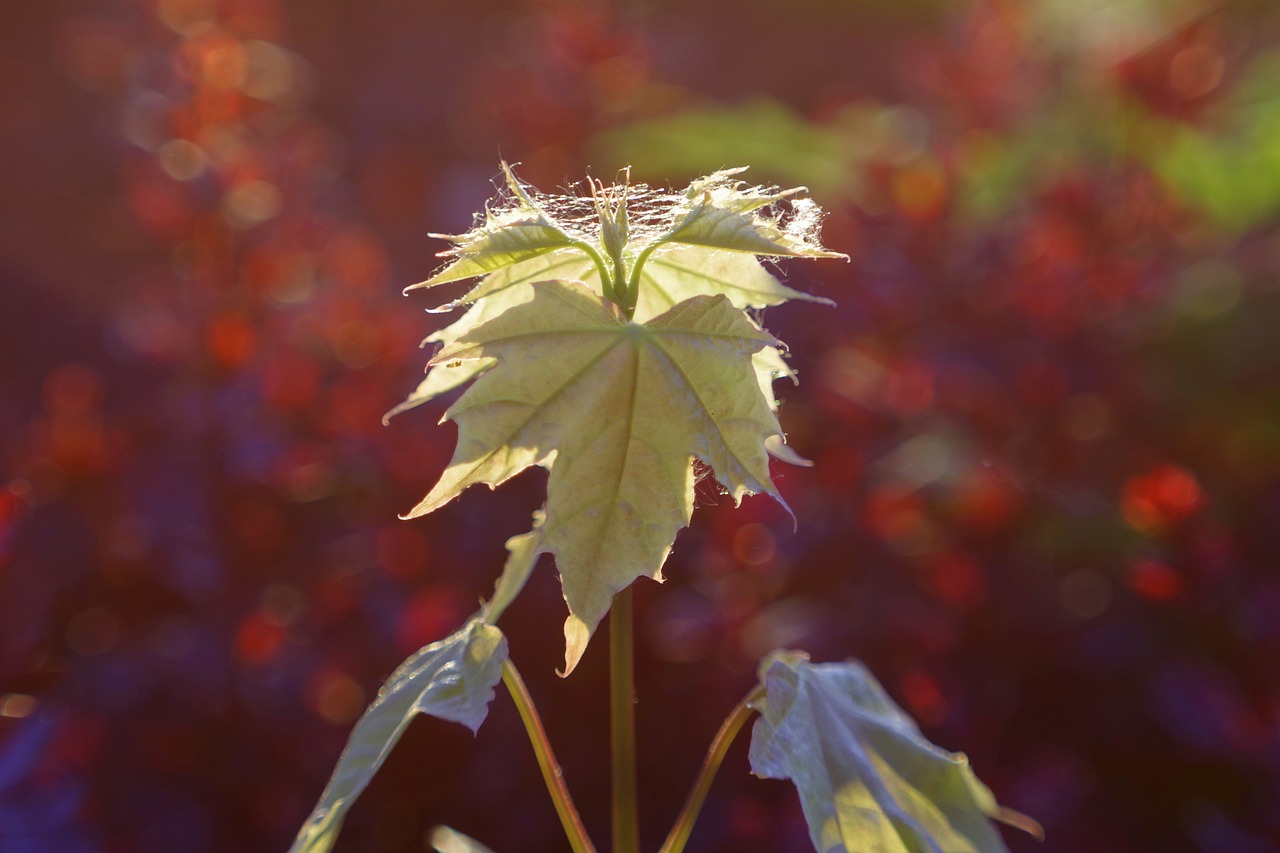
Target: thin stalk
x: 622, y: 715
x: 607, y: 286
x: 620, y: 276
x: 715, y: 755
x: 551, y: 774
x: 631, y: 290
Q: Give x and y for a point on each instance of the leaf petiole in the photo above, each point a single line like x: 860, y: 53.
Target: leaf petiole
x: 607, y: 286
x: 716, y: 752
x: 551, y: 774
x: 622, y: 716
x: 631, y: 294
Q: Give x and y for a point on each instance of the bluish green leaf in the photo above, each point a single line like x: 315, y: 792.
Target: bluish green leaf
x: 869, y: 781
x: 452, y: 679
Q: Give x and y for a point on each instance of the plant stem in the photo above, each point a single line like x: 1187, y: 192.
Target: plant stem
x: 551, y: 774
x: 630, y: 292
x: 715, y: 755
x: 626, y: 824
x: 608, y: 288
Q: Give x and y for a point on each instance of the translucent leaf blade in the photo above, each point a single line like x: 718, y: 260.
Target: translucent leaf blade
x: 683, y: 272
x: 446, y: 840
x: 518, y: 232
x: 723, y: 213
x: 440, y: 379
x: 720, y: 228
x: 452, y: 679
x: 499, y: 244
x: 570, y: 265
x: 494, y: 295
x: 504, y: 424
x: 617, y: 411
x: 867, y: 778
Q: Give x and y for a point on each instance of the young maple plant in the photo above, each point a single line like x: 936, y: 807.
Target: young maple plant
x: 608, y: 341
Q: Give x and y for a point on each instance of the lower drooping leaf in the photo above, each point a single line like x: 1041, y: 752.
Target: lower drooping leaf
x: 868, y: 779
x: 617, y: 411
x: 446, y: 840
x: 452, y: 679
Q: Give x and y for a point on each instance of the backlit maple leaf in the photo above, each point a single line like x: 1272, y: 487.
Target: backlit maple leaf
x: 617, y: 411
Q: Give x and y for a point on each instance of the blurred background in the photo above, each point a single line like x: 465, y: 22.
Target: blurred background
x: 1045, y: 413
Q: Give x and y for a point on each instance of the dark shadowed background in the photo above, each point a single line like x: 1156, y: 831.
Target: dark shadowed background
x: 1045, y: 413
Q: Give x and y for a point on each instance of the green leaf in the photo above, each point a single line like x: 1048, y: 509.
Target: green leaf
x: 677, y: 273
x: 522, y: 556
x: 452, y: 679
x: 868, y: 780
x: 446, y: 840
x: 725, y: 214
x: 440, y: 379
x: 570, y: 265
x: 503, y: 240
x: 518, y: 232
x: 495, y: 293
x: 617, y: 411
x: 670, y: 276
x: 682, y: 272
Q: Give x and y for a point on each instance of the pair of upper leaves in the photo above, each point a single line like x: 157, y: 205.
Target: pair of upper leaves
x: 867, y: 778
x: 613, y: 349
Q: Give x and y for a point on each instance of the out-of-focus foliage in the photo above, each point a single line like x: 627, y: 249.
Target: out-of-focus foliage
x: 1043, y: 413
x: 776, y: 141
x: 1231, y: 169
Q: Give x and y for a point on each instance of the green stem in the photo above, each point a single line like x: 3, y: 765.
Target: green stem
x: 631, y: 293
x: 551, y: 774
x: 626, y: 824
x: 607, y: 286
x: 715, y: 755
x: 620, y: 276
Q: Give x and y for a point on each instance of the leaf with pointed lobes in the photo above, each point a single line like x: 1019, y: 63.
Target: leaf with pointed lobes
x: 675, y: 273
x: 867, y: 777
x: 617, y: 411
x: 503, y: 240
x: 725, y: 214
x: 494, y: 294
x: 452, y: 679
x: 521, y: 231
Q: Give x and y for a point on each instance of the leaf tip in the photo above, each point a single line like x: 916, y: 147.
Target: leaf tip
x: 1018, y: 820
x: 424, y: 506
x: 576, y: 636
x: 777, y: 447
